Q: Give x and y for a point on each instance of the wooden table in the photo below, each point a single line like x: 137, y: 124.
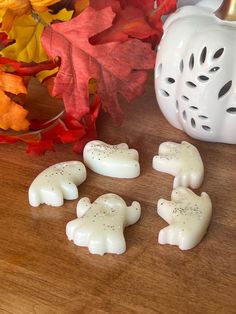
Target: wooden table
x: 42, y: 272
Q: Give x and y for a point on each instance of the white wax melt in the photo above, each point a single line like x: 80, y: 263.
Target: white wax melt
x: 100, y: 225
x: 112, y: 160
x: 57, y: 183
x: 188, y: 216
x: 182, y: 161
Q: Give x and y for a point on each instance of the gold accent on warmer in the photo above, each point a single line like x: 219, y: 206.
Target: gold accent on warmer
x: 227, y: 10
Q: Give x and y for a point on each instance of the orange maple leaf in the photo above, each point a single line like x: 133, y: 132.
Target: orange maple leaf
x: 12, y: 115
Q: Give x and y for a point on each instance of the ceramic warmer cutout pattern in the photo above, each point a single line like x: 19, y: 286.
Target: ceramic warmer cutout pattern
x: 195, y: 74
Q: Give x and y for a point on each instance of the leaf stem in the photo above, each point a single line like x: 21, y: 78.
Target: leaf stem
x: 38, y: 18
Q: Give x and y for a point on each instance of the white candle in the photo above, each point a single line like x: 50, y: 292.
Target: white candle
x: 112, y: 160
x: 100, y: 225
x: 188, y: 216
x: 57, y: 183
x: 182, y: 161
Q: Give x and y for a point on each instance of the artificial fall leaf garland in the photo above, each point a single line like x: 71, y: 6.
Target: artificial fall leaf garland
x: 87, y: 52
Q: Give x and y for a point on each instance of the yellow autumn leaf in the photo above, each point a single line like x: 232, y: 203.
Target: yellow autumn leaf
x: 26, y: 5
x: 12, y: 115
x: 2, y: 12
x: 12, y: 9
x: 41, y: 76
x: 27, y: 33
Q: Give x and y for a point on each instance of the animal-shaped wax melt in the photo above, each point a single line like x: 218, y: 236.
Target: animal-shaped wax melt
x: 188, y: 216
x: 182, y: 161
x: 100, y: 225
x: 57, y: 183
x: 112, y: 160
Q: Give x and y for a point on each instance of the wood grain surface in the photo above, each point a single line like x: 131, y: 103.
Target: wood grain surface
x: 42, y: 272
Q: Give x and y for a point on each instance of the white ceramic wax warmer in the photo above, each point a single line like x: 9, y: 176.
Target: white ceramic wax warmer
x: 195, y: 73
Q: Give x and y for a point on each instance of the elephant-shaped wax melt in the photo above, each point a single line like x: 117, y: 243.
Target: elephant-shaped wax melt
x: 100, y: 224
x: 56, y: 183
x: 117, y: 161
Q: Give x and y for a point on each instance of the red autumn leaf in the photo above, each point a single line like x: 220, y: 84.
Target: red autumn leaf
x: 8, y: 139
x: 129, y: 22
x: 63, y: 129
x: 135, y: 19
x: 5, y: 40
x: 145, y: 5
x: 79, y: 145
x: 25, y: 69
x: 102, y: 4
x: 39, y: 148
x: 40, y: 142
x: 153, y: 15
x: 164, y: 7
x: 119, y: 68
x: 90, y: 126
x: 61, y: 134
